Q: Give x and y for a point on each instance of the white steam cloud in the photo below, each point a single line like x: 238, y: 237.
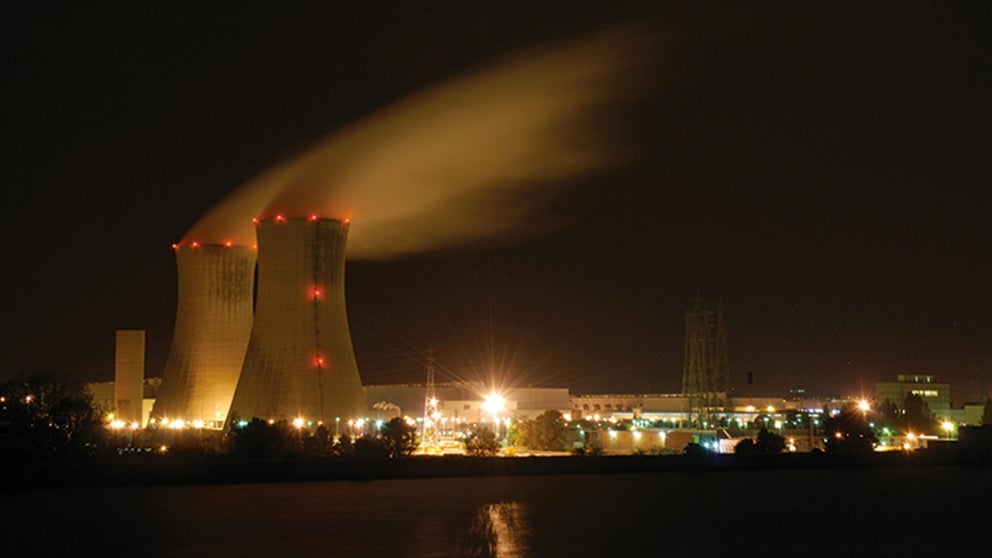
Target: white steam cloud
x: 463, y: 160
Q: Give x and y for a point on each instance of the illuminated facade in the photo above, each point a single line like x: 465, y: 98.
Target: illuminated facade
x: 937, y: 395
x: 129, y: 375
x: 213, y: 323
x: 300, y: 363
x: 465, y: 401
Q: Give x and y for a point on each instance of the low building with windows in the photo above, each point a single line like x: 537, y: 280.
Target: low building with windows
x: 466, y: 402
x: 937, y: 395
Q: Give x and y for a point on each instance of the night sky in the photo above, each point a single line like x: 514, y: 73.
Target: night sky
x: 824, y: 169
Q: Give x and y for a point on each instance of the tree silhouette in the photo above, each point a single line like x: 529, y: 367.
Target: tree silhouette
x: 371, y: 446
x: 45, y: 415
x: 260, y: 439
x: 764, y: 442
x: 343, y: 446
x: 848, y: 432
x: 316, y: 443
x: 482, y: 442
x: 917, y: 417
x: 399, y: 437
x: 545, y: 432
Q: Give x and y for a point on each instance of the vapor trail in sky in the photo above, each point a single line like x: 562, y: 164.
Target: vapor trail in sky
x: 459, y: 161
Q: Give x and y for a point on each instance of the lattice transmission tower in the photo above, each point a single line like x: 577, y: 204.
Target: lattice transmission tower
x: 705, y: 372
x: 429, y: 439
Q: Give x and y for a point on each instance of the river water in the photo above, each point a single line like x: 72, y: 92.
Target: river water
x: 946, y: 510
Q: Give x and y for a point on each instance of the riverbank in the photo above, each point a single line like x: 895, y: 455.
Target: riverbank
x: 193, y: 470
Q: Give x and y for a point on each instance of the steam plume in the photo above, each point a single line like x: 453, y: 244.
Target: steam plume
x: 457, y: 162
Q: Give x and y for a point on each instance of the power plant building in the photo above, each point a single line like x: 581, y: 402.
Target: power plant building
x: 466, y: 401
x: 937, y: 395
x: 300, y: 363
x: 129, y: 375
x: 213, y: 324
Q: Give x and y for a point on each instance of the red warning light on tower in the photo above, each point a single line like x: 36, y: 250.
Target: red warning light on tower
x: 280, y: 219
x: 175, y: 246
x: 313, y: 217
x: 195, y: 245
x: 316, y: 293
x: 318, y: 362
x: 254, y: 220
x: 228, y: 244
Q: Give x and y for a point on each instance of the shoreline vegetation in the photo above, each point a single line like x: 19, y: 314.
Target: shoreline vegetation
x: 155, y: 470
x: 52, y: 436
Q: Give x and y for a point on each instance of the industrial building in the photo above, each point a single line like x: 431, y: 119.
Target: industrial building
x: 465, y: 402
x: 103, y: 394
x: 286, y: 354
x: 937, y: 395
x: 674, y: 407
x: 129, y: 374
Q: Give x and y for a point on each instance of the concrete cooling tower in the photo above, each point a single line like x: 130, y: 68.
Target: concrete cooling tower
x: 300, y: 362
x: 213, y: 324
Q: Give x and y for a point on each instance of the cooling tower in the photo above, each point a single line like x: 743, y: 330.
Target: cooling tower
x: 300, y: 362
x: 213, y: 323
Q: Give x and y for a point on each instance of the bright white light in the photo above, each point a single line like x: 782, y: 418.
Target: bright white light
x: 117, y: 424
x: 198, y: 424
x: 298, y: 422
x: 863, y: 405
x: 494, y: 403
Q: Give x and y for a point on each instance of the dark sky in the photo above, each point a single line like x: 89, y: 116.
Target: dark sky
x: 825, y: 169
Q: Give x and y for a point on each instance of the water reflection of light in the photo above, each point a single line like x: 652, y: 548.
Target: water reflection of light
x: 501, y: 530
